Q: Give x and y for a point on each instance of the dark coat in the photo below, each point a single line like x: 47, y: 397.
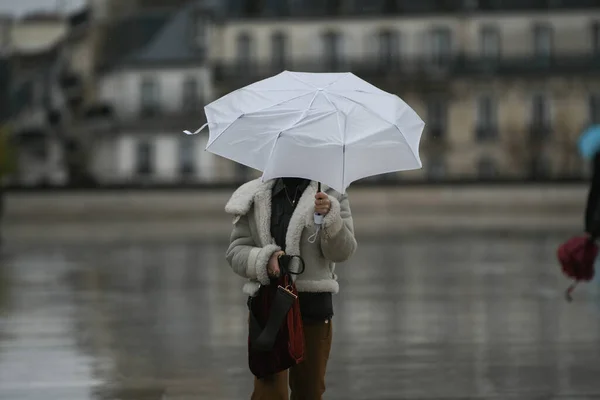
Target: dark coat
x: 592, y: 210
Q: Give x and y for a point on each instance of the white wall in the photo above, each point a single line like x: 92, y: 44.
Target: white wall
x: 104, y: 156
x: 166, y: 160
x: 122, y: 88
x: 125, y: 153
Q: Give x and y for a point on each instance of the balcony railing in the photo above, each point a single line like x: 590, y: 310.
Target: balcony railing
x: 335, y: 8
x: 409, y: 68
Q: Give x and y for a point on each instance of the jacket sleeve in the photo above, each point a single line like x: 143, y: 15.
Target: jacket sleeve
x: 337, y: 241
x: 244, y: 257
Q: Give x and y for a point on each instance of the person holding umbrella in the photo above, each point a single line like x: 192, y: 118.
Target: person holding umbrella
x: 276, y: 217
x: 311, y: 135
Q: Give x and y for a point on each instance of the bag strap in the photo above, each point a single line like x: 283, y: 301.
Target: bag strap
x: 284, y: 262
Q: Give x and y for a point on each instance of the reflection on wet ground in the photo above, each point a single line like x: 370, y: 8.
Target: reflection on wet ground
x: 434, y: 318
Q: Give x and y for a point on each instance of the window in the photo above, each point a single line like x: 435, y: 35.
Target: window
x: 388, y: 49
x: 187, y: 166
x: 278, y: 50
x: 435, y: 167
x: 595, y: 108
x: 489, y: 42
x: 144, y: 160
x: 486, y: 118
x: 540, y: 116
x: 542, y: 41
x: 486, y: 168
x: 190, y: 97
x: 441, y: 45
x: 200, y: 37
x: 540, y: 166
x: 149, y: 97
x: 37, y: 147
x: 540, y: 110
x: 332, y: 51
x: 244, y: 52
x: 596, y: 38
x: 437, y: 116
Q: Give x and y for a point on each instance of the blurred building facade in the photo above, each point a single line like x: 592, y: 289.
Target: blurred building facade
x: 504, y: 87
x: 155, y: 89
x: 115, y: 92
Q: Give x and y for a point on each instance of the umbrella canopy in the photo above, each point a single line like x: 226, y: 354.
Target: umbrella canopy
x: 589, y: 142
x: 333, y: 128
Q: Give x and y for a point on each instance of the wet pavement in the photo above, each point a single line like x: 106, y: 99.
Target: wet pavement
x: 447, y: 317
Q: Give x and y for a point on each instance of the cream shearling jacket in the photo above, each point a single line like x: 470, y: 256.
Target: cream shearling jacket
x: 251, y: 243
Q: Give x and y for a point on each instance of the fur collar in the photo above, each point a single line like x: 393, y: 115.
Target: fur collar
x: 258, y: 194
x: 246, y: 195
x: 242, y: 199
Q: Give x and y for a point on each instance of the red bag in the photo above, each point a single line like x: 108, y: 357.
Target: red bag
x: 577, y: 257
x: 287, y: 349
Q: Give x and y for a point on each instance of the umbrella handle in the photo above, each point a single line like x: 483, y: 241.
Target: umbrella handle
x: 318, y: 218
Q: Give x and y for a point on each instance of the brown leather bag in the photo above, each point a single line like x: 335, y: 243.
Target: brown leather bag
x: 276, y: 334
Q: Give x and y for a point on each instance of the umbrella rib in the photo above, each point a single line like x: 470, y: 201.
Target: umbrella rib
x: 313, y: 86
x: 287, y: 129
x: 302, y: 81
x: 277, y: 104
x: 343, y: 138
x: 383, y: 119
x: 257, y: 111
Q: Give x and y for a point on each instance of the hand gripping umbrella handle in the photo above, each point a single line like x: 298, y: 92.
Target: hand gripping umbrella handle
x: 318, y: 218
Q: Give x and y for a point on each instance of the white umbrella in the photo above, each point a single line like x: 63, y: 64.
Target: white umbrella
x: 332, y: 128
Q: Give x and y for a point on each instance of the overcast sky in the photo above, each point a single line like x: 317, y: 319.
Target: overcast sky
x: 19, y: 7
